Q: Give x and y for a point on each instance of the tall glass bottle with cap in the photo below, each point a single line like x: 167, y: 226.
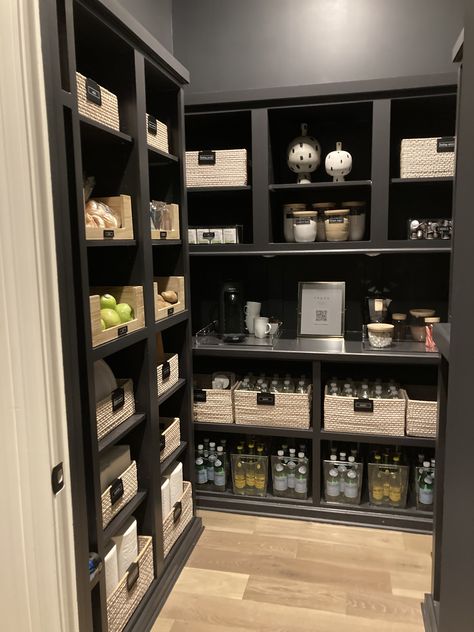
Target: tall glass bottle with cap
x: 201, y: 471
x: 239, y: 476
x: 301, y: 482
x: 219, y: 475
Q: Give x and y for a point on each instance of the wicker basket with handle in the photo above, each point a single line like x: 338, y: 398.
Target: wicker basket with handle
x: 222, y: 167
x: 167, y: 373
x: 115, y: 409
x: 179, y: 517
x: 157, y: 134
x: 97, y: 103
x: 119, y: 493
x: 170, y: 437
x: 421, y: 158
x: 212, y: 405
x: 124, y: 600
x: 422, y: 417
x: 277, y: 410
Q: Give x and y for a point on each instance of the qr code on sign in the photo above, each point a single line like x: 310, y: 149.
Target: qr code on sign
x: 321, y: 315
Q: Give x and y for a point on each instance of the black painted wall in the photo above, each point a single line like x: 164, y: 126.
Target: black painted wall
x: 156, y: 16
x: 247, y: 44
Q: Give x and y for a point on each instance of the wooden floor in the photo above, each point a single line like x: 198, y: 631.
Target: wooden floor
x: 249, y: 573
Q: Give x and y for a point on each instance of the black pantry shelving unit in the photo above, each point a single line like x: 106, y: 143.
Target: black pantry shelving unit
x: 101, y: 40
x: 370, y: 118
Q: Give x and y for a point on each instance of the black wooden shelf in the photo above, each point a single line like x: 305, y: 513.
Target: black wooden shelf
x: 174, y: 455
x: 106, y: 243
x: 157, y: 157
x: 408, y: 512
x: 319, y: 185
x: 108, y: 348
x: 354, y: 437
x: 269, y: 498
x: 171, y: 321
x: 324, y: 248
x: 121, y: 518
x: 100, y: 131
x: 236, y: 189
x: 95, y: 579
x: 446, y: 179
x: 253, y: 430
x: 166, y: 242
x: 195, y: 524
x: 179, y: 384
x: 121, y: 431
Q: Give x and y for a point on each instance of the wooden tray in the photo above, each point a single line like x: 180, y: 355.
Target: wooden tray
x: 163, y: 284
x: 122, y: 205
x: 131, y: 294
x: 174, y: 233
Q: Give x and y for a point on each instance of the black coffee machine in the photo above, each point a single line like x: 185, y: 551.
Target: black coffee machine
x: 231, y: 312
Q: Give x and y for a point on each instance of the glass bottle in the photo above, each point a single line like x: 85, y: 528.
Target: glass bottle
x: 395, y: 492
x: 351, y: 486
x: 200, y: 450
x: 251, y: 448
x: 426, y: 492
x: 212, y: 447
x: 302, y: 448
x: 201, y: 472
x: 342, y: 469
x: 291, y: 473
x: 260, y: 449
x: 211, y: 459
x: 250, y: 476
x: 288, y: 387
x: 206, y: 444
x: 364, y: 391
x: 332, y: 485
x: 239, y: 477
x: 292, y: 452
x: 260, y: 479
x: 378, y: 487
x: 284, y: 447
x: 219, y: 475
x: 281, y: 453
x: 301, y: 388
x: 280, y: 480
x: 301, y: 481
x: 274, y: 387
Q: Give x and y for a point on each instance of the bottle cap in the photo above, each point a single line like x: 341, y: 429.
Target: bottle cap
x: 333, y: 472
x: 280, y: 453
x: 292, y: 451
x: 200, y: 447
x: 212, y: 444
x: 351, y: 474
x: 428, y: 480
x: 302, y: 469
x: 426, y: 464
x: 291, y: 465
x: 220, y: 449
x: 351, y: 459
x: 342, y: 456
x: 301, y: 455
x: 218, y: 463
x: 279, y: 467
x: 286, y: 382
x: 333, y: 457
x: 199, y: 461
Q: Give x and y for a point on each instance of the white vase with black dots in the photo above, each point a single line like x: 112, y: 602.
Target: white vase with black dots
x: 304, y: 155
x: 338, y: 163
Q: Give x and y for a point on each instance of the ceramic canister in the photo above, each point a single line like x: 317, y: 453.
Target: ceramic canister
x: 288, y: 210
x: 321, y: 207
x: 305, y: 226
x: 357, y: 219
x: 337, y: 224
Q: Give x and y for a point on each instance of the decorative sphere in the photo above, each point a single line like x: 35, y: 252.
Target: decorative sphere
x: 304, y: 153
x: 338, y: 163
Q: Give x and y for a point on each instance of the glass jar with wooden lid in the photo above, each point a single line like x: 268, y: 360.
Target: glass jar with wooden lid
x: 320, y: 208
x: 288, y: 210
x: 356, y: 218
x: 305, y: 226
x: 336, y: 222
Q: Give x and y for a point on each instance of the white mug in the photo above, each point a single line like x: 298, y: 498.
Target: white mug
x: 250, y: 323
x: 262, y: 327
x: 252, y: 308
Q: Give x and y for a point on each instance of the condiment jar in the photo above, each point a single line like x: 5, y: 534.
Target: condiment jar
x: 429, y: 322
x: 399, y: 322
x: 320, y: 208
x: 305, y: 226
x: 357, y: 219
x: 380, y: 334
x: 417, y: 323
x: 288, y: 210
x: 336, y: 223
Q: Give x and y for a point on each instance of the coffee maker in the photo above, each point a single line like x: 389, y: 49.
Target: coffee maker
x: 231, y: 312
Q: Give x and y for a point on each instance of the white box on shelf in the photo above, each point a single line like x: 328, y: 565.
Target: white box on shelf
x: 192, y: 236
x: 209, y: 235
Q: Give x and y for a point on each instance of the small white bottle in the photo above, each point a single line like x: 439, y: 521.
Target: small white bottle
x: 351, y: 486
x: 280, y: 480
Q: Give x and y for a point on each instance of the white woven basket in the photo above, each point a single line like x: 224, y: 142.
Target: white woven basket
x: 419, y: 158
x: 107, y: 417
x: 167, y: 374
x: 124, y: 600
x: 121, y: 491
x: 422, y: 418
x: 289, y: 410
x: 230, y: 169
x: 179, y: 517
x: 387, y: 418
x: 213, y: 405
x: 160, y: 139
x: 106, y: 113
x: 170, y: 436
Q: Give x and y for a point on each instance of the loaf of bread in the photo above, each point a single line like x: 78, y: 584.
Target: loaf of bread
x: 170, y: 296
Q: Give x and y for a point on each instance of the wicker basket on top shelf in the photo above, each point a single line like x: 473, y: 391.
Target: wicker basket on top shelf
x: 212, y: 405
x: 97, y: 103
x: 157, y: 134
x: 219, y: 168
x: 427, y: 157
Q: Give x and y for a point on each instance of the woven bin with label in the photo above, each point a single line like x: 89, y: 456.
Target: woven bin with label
x: 179, y: 517
x: 216, y: 168
x: 167, y: 373
x: 427, y: 157
x: 367, y: 416
x: 97, y: 103
x: 119, y: 493
x: 212, y: 405
x: 277, y: 410
x: 123, y: 602
x: 113, y: 410
x: 422, y: 418
x: 157, y: 134
x: 170, y: 436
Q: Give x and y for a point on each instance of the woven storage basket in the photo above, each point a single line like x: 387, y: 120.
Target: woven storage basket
x: 288, y: 410
x: 159, y: 140
x: 106, y: 113
x: 420, y: 158
x: 179, y: 517
x: 212, y: 404
x: 118, y: 407
x: 387, y: 418
x: 422, y: 418
x: 122, y: 490
x: 170, y: 436
x: 230, y: 169
x: 167, y: 374
x: 124, y: 600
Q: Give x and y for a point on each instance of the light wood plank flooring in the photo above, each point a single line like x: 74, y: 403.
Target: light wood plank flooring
x: 271, y: 575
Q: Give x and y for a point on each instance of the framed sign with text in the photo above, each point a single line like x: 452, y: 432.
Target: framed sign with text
x: 321, y: 308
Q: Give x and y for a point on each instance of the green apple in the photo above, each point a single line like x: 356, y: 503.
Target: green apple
x: 102, y: 324
x: 110, y: 317
x: 107, y: 301
x: 125, y: 312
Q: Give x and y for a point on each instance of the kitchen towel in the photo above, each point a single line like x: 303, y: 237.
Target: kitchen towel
x: 165, y: 497
x: 175, y: 474
x: 111, y: 569
x: 127, y: 546
x: 113, y: 463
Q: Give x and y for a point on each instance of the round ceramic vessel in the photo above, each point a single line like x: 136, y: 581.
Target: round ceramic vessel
x: 304, y: 155
x: 338, y: 163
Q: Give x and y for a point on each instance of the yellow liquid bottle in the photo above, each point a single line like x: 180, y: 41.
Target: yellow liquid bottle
x: 260, y: 479
x: 250, y: 477
x: 395, y: 489
x: 239, y: 478
x: 377, y: 488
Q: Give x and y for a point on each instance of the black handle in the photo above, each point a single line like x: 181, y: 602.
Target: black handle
x: 162, y: 442
x: 133, y: 573
x: 116, y: 491
x: 177, y: 511
x: 165, y: 370
x: 265, y: 399
x: 363, y: 405
x: 118, y: 399
x: 199, y: 395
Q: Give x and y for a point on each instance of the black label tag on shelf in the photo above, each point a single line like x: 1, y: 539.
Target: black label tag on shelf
x: 118, y: 399
x: 109, y: 233
x: 163, y: 234
x: 199, y: 395
x: 165, y: 370
x: 162, y: 442
x: 265, y: 399
x: 93, y: 93
x: 302, y: 221
x: 133, y: 573
x: 209, y: 235
x: 177, y: 511
x: 207, y: 158
x: 122, y: 330
x: 170, y: 311
x: 336, y: 220
x: 116, y: 491
x: 152, y: 127
x: 445, y: 144
x: 363, y: 405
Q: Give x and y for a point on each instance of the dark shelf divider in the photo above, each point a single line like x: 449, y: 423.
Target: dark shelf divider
x: 117, y: 434
x: 173, y: 456
x: 121, y: 518
x: 174, y: 389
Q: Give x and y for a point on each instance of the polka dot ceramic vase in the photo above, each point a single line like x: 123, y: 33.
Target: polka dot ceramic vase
x: 304, y: 155
x: 338, y: 163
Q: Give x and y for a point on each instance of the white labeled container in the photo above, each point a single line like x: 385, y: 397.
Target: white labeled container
x: 305, y: 226
x: 321, y: 208
x: 288, y: 210
x: 337, y: 224
x: 209, y: 235
x: 380, y: 334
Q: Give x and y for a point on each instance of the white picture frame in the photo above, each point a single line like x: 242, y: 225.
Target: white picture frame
x: 321, y: 309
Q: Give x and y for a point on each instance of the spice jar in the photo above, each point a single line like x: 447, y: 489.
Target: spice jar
x: 357, y: 219
x: 429, y: 341
x: 288, y: 210
x: 305, y: 226
x: 417, y: 323
x: 380, y: 334
x: 399, y: 322
x: 336, y: 223
x: 320, y: 208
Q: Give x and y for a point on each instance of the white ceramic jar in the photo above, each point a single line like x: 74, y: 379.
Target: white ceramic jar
x: 305, y: 226
x: 337, y: 224
x: 338, y: 163
x: 288, y: 210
